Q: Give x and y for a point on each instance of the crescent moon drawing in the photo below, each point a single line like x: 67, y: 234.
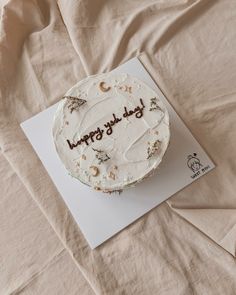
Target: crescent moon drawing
x: 103, y: 88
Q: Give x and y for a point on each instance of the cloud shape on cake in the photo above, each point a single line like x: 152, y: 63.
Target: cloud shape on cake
x: 111, y: 131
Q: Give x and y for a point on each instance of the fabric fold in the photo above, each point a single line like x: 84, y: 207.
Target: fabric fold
x: 190, y: 52
x: 218, y: 224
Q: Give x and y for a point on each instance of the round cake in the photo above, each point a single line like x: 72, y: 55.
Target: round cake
x: 111, y: 131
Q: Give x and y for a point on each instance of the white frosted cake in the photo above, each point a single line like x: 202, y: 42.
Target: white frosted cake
x: 111, y: 131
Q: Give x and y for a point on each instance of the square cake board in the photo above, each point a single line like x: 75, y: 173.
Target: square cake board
x: 101, y: 216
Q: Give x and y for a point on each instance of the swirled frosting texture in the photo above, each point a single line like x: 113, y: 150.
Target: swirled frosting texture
x: 111, y: 131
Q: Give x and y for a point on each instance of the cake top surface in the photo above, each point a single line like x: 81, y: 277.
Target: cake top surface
x: 111, y: 131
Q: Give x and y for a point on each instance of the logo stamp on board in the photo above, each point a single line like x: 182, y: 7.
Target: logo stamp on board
x: 195, y: 165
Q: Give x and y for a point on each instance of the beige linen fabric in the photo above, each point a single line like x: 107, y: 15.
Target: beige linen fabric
x: 184, y: 246
x: 32, y: 258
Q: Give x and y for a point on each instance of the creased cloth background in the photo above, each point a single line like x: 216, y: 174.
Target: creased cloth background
x: 186, y: 245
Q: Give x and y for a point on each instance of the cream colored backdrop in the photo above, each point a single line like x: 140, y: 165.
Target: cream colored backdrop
x: 186, y: 245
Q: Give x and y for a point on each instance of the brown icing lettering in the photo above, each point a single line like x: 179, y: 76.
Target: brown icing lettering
x: 111, y: 123
x: 72, y: 145
x: 109, y: 128
x: 92, y: 133
x: 138, y: 111
x: 98, y: 133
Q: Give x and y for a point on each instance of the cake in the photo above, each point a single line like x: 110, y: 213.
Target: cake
x: 111, y: 131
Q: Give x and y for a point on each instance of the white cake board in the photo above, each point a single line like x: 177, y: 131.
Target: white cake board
x: 99, y: 215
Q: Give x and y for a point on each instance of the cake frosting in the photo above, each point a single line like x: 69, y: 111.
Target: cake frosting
x: 111, y: 131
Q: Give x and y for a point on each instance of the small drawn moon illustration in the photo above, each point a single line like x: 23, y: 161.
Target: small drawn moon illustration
x: 103, y: 88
